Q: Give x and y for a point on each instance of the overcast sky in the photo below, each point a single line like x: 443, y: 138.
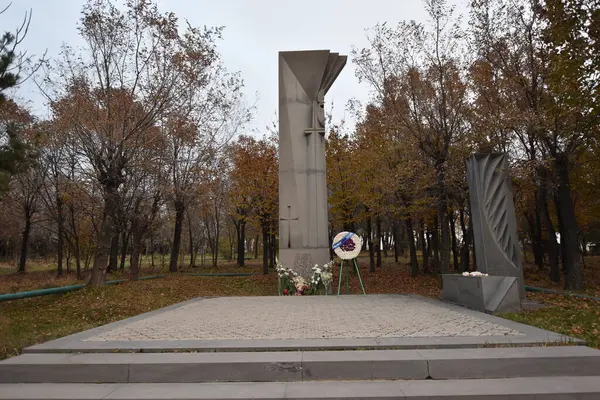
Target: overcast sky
x: 255, y: 31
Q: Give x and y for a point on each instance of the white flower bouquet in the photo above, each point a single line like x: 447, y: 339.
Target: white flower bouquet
x: 474, y: 273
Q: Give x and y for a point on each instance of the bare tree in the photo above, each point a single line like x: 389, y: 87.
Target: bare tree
x: 135, y: 68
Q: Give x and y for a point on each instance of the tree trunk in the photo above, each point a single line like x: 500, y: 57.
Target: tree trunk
x: 464, y: 250
x: 68, y: 258
x: 113, y: 260
x: 77, y: 251
x: 378, y: 240
x: 104, y: 235
x: 444, y: 251
x: 570, y: 230
x: 179, y: 214
x: 402, y: 240
x: 256, y: 247
x: 560, y: 230
x: 536, y: 235
x: 552, y: 244
x: 265, y: 237
x: 435, y: 242
x: 217, y: 237
x: 137, y: 233
x: 191, y: 239
x: 453, y: 237
x: 124, y: 249
x: 241, y: 247
x: 370, y: 242
x: 152, y: 249
x: 395, y: 239
x: 386, y: 245
x: 424, y: 248
x: 272, y: 251
x: 25, y: 240
x: 60, y: 242
x: 414, y: 263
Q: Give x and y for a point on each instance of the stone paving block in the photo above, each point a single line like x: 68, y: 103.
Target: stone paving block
x: 212, y: 391
x: 55, y: 391
x: 58, y: 368
x: 382, y: 390
x: 356, y: 365
x: 223, y: 367
x: 512, y: 362
x: 556, y: 388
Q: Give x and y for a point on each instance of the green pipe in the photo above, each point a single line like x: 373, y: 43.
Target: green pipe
x: 542, y: 290
x: 39, y: 292
x: 62, y: 289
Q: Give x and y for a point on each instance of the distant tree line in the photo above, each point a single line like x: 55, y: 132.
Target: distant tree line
x: 144, y: 157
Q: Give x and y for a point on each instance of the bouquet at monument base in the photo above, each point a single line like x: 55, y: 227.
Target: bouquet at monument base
x: 292, y: 284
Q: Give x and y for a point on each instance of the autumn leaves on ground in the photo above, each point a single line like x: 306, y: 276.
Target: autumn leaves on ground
x: 34, y: 320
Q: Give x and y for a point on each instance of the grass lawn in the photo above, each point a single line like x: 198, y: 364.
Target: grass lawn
x: 567, y: 315
x: 30, y: 321
x: 35, y: 320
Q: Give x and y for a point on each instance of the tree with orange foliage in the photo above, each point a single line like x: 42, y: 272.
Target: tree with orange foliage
x: 255, y: 187
x: 416, y: 73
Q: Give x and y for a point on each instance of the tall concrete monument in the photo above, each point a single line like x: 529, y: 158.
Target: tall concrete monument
x: 494, y: 222
x: 304, y: 79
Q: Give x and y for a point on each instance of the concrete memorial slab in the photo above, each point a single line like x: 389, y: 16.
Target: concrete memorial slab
x: 304, y: 79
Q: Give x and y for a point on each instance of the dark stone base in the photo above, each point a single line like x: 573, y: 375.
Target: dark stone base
x: 483, y: 293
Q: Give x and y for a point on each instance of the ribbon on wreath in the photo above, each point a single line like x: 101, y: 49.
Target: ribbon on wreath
x: 342, y: 241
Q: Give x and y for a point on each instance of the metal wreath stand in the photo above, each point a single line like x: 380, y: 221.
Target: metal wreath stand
x: 345, y: 238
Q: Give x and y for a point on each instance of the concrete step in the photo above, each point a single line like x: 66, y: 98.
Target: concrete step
x: 540, y: 388
x: 301, y: 366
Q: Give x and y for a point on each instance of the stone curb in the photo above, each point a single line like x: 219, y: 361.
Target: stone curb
x: 574, y: 388
x: 301, y: 366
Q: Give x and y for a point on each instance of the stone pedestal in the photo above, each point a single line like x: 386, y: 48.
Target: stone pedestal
x: 302, y: 260
x: 483, y: 293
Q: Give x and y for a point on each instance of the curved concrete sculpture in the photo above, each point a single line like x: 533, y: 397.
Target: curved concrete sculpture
x: 304, y: 79
x: 494, y: 222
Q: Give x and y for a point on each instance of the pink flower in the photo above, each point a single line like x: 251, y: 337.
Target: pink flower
x: 285, y: 292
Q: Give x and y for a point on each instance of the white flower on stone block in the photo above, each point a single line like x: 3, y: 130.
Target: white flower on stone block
x: 474, y: 273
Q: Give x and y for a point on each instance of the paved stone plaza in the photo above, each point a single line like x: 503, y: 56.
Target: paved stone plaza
x: 303, y: 323
x: 309, y: 317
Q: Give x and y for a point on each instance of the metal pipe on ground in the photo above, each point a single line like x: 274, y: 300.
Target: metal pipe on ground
x: 62, y: 289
